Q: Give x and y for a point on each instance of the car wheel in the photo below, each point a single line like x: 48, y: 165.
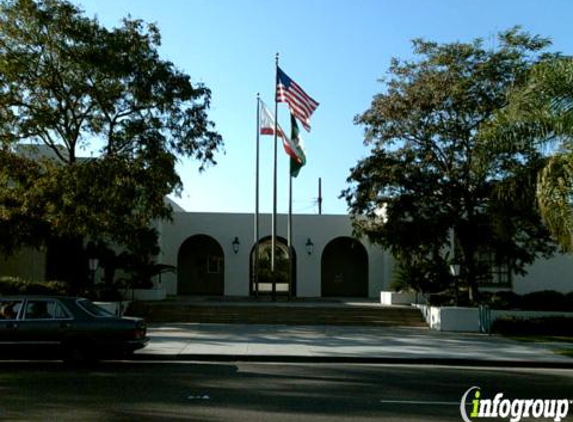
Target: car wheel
x: 79, y: 352
x: 128, y: 354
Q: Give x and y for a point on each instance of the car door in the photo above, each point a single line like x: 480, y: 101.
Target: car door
x: 43, y: 322
x: 10, y: 308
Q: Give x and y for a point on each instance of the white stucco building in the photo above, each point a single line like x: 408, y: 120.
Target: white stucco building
x: 328, y: 261
x: 213, y: 253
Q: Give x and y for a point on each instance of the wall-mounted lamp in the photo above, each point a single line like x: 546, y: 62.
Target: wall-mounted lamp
x: 455, y: 270
x: 309, y: 246
x: 236, y: 244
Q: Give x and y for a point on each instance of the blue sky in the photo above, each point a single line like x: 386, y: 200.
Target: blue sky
x: 337, y: 50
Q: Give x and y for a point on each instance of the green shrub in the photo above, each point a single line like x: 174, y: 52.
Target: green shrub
x: 437, y: 299
x: 504, y: 300
x: 107, y: 294
x: 569, y: 298
x: 558, y: 326
x: 546, y: 300
x: 448, y: 298
x: 17, y: 286
x: 427, y: 276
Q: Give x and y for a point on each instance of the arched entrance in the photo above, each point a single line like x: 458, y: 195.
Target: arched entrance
x: 282, y: 266
x: 344, y: 268
x: 201, y: 267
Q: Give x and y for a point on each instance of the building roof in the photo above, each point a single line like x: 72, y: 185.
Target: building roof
x: 43, y: 151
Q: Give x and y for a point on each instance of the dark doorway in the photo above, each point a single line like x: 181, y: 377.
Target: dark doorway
x: 201, y: 267
x: 344, y: 268
x: 282, y: 266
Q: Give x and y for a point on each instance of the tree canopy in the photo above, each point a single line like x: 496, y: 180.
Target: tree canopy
x: 540, y: 113
x: 69, y: 85
x: 429, y: 174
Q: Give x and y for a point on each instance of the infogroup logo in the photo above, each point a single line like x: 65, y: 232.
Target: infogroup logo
x: 514, y: 409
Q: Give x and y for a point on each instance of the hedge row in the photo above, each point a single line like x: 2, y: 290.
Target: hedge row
x: 17, y: 286
x: 552, y: 326
x: 545, y: 300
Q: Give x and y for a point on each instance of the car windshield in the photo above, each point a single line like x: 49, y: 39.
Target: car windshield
x: 93, y: 309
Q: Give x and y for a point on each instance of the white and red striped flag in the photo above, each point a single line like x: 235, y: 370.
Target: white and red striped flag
x: 293, y: 147
x: 267, y: 122
x: 299, y: 102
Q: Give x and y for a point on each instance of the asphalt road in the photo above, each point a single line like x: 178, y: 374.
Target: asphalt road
x: 173, y: 391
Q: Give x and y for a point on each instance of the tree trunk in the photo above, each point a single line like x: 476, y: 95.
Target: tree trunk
x: 469, y: 270
x: 66, y: 261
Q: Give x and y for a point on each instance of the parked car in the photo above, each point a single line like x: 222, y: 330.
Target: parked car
x: 71, y: 327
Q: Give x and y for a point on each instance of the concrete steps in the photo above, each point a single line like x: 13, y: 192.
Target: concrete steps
x: 160, y: 312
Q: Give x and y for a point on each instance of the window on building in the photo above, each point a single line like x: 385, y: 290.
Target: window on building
x: 214, y: 264
x: 497, y: 272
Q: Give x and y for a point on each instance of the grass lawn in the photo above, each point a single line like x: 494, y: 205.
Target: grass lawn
x: 559, y: 342
x: 544, y: 338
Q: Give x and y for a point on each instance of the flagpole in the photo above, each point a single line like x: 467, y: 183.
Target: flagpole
x: 274, y: 216
x: 289, y: 236
x: 320, y: 196
x: 256, y: 234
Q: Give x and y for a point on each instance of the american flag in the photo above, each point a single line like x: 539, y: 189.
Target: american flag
x: 299, y: 102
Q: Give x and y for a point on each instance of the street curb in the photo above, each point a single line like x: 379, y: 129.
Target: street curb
x: 351, y: 359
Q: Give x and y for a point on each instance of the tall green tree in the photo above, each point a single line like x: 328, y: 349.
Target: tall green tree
x: 428, y: 173
x: 70, y: 85
x: 540, y: 113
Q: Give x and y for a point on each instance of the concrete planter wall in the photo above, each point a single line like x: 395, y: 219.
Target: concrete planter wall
x: 155, y: 294
x: 451, y: 318
x: 397, y: 298
x: 459, y: 319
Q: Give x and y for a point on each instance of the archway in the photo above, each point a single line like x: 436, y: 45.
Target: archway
x: 344, y: 268
x: 201, y: 267
x: 284, y: 285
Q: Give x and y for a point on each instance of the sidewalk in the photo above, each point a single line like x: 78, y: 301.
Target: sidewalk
x: 287, y: 343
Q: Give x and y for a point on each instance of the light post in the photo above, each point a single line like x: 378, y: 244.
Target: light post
x: 455, y: 271
x: 93, y: 264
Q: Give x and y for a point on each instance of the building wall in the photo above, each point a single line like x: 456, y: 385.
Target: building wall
x: 27, y: 263
x: 321, y: 229
x: 553, y: 274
